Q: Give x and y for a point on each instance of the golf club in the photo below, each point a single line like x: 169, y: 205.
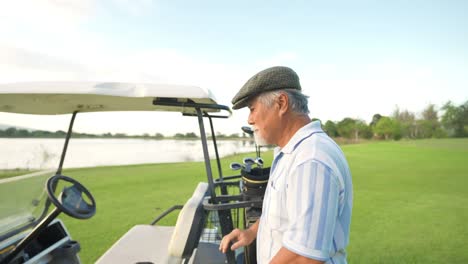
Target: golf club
x: 248, y: 130
x: 235, y: 166
x: 259, y: 162
x: 248, y: 162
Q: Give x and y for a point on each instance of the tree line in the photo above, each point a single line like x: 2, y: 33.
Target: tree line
x: 449, y: 121
x: 13, y: 132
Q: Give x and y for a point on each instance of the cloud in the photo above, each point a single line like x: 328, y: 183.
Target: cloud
x: 334, y: 99
x: 21, y: 58
x: 45, y: 15
x: 135, y: 7
x: 19, y: 65
x: 49, y: 28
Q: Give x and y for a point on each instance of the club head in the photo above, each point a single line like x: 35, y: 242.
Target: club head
x: 235, y: 166
x: 259, y: 162
x: 247, y: 130
x: 249, y: 161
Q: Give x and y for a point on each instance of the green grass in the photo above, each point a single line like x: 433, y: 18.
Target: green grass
x: 13, y: 172
x: 410, y: 200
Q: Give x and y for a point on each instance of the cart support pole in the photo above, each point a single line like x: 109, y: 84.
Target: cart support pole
x: 65, y: 146
x: 218, y: 161
x: 206, y: 155
x: 225, y: 218
x: 213, y: 136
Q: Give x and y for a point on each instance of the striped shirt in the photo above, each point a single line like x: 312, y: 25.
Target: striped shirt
x: 308, y: 201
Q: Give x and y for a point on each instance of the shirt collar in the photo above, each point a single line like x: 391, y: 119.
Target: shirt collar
x: 301, y: 134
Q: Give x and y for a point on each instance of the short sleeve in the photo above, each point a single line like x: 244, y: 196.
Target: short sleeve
x: 312, y: 198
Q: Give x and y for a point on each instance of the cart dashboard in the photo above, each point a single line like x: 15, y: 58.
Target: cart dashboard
x: 54, y: 245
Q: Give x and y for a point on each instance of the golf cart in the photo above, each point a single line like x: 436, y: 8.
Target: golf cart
x: 30, y: 231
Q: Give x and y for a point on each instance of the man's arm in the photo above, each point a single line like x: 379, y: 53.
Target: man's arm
x: 286, y: 256
x: 239, y: 237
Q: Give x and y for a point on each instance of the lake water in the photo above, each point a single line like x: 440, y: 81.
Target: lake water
x: 39, y: 153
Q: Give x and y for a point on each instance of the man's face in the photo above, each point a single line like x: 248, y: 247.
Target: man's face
x: 264, y: 121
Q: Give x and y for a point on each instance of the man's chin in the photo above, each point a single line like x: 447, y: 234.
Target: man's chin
x: 260, y: 141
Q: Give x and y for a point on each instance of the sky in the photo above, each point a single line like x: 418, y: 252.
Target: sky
x: 354, y: 58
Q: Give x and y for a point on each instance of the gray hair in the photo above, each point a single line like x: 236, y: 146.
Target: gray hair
x: 297, y: 100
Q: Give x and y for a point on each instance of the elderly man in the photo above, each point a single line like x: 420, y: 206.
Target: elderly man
x: 307, y: 206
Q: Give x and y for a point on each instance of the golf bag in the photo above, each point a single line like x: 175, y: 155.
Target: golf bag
x: 254, y: 184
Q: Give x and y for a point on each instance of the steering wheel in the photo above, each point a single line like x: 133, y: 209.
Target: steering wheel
x: 71, y: 200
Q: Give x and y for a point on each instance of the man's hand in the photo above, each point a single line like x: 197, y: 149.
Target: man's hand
x: 239, y: 238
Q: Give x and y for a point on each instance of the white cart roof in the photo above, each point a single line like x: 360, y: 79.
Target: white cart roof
x: 50, y: 98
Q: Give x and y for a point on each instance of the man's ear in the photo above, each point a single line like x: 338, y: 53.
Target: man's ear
x: 283, y: 103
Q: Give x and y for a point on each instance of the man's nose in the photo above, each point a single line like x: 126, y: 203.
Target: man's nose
x: 250, y: 120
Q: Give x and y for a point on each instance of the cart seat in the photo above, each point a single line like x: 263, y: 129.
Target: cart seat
x: 162, y: 244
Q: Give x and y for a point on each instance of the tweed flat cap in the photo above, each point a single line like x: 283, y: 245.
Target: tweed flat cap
x: 274, y: 78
